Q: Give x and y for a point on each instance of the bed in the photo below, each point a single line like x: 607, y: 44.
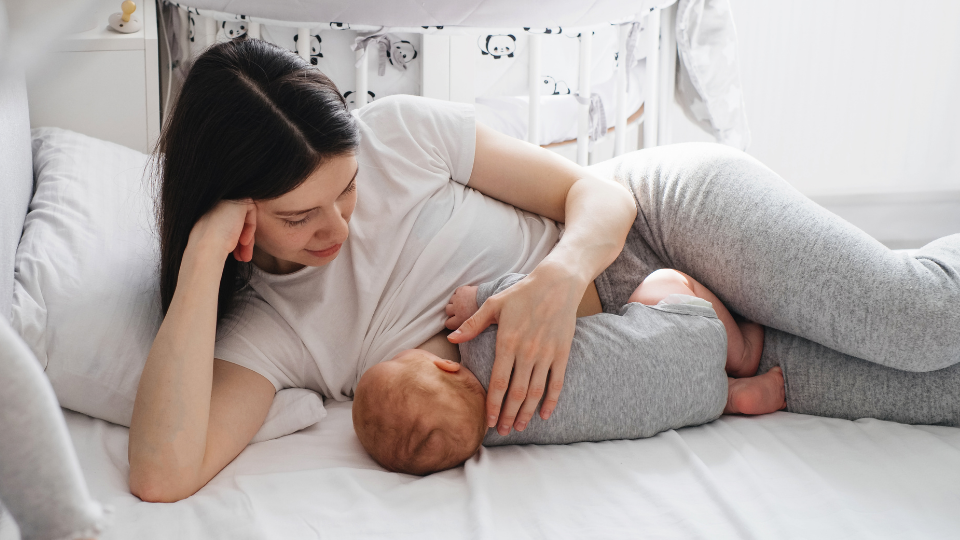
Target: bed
x: 779, y: 476
x: 783, y: 475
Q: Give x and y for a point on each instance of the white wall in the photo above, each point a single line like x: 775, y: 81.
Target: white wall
x: 851, y: 97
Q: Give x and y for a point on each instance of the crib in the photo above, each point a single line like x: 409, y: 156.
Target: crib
x: 448, y: 71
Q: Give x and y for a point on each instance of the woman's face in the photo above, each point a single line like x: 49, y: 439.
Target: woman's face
x: 307, y: 226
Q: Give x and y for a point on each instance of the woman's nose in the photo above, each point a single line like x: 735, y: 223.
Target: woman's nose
x: 332, y: 229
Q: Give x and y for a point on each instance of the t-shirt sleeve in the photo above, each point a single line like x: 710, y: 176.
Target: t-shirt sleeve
x: 256, y: 337
x: 410, y: 125
x: 502, y: 283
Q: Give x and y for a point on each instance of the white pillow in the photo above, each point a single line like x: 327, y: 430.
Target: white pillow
x: 86, y: 296
x: 292, y: 410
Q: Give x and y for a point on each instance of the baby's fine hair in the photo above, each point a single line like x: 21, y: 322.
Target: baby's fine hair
x: 388, y: 434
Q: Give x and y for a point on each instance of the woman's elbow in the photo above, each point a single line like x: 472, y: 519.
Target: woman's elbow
x: 626, y: 200
x: 156, y: 488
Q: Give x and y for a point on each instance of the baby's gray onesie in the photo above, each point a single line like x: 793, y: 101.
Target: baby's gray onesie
x: 632, y: 375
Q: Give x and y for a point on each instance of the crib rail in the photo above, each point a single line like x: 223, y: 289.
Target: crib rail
x: 442, y: 80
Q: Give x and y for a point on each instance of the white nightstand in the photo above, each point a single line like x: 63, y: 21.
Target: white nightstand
x: 102, y: 83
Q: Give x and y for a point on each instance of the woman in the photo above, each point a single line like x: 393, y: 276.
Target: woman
x: 349, y: 233
x: 261, y: 146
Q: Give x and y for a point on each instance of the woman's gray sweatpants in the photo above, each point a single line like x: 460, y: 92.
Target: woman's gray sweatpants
x: 859, y: 330
x: 40, y: 479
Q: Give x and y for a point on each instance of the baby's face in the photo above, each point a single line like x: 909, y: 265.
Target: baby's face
x: 428, y: 411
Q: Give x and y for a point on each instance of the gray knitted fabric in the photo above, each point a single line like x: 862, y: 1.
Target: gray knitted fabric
x: 630, y: 375
x: 861, y: 330
x: 40, y: 479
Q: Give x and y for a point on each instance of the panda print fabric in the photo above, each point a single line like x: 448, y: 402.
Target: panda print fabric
x: 500, y: 68
x: 350, y: 97
x: 233, y: 29
x: 553, y: 87
x: 547, y: 31
x: 498, y: 45
x: 315, y: 54
x: 401, y: 53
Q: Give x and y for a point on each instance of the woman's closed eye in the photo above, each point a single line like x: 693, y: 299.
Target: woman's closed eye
x: 297, y: 223
x: 351, y: 187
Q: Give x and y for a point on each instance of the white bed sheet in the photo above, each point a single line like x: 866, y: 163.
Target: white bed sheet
x: 778, y: 476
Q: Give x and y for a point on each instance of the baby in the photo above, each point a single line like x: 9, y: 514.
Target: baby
x: 661, y: 364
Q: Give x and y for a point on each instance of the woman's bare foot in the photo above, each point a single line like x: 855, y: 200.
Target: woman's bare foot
x: 752, y: 349
x: 756, y: 395
x: 462, y: 306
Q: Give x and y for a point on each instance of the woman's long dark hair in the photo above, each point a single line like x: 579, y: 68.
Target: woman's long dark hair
x: 252, y: 120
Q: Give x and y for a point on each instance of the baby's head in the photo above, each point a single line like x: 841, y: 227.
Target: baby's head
x: 418, y: 413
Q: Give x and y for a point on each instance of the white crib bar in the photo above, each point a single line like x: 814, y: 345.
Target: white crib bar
x: 620, y: 122
x: 533, y: 84
x: 668, y: 72
x: 184, y: 34
x: 583, y: 116
x: 303, y: 43
x: 253, y: 29
x: 651, y: 87
x: 360, y: 95
x: 210, y: 29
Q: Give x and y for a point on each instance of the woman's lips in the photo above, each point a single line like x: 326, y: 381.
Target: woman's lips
x: 324, y: 253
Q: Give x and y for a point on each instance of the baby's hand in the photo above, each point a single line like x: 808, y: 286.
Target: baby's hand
x: 462, y: 306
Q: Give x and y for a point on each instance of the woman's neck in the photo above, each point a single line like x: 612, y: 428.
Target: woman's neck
x: 272, y: 265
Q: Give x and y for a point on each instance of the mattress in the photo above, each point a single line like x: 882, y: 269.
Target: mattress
x: 778, y: 476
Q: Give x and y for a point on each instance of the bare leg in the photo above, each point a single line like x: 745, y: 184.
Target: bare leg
x: 752, y: 335
x: 762, y: 394
x: 744, y: 340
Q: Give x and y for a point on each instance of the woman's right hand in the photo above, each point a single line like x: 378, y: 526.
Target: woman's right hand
x: 228, y: 227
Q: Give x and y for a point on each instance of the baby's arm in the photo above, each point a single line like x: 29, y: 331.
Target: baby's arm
x: 462, y: 306
x: 466, y: 300
x: 744, y: 340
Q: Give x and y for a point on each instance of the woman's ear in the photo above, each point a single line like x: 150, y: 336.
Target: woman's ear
x: 446, y: 365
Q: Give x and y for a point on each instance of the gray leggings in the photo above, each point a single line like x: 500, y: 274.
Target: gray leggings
x: 859, y: 330
x: 40, y: 479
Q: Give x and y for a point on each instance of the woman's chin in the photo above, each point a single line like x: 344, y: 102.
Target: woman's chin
x: 295, y: 261
x: 324, y: 255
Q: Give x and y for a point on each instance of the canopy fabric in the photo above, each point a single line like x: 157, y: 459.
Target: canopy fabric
x: 433, y: 13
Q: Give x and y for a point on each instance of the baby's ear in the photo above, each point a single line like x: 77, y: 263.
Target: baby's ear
x: 446, y: 365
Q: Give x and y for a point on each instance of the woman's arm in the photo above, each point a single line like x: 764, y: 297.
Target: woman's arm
x: 537, y: 317
x: 194, y: 414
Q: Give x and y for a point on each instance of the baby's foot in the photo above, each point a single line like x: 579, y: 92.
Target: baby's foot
x: 462, y: 306
x: 752, y: 350
x: 756, y: 395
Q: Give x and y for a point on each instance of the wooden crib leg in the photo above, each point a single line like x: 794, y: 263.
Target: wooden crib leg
x: 210, y: 30
x: 360, y: 79
x: 651, y: 87
x: 620, y: 122
x: 668, y: 70
x: 583, y: 116
x: 533, y: 85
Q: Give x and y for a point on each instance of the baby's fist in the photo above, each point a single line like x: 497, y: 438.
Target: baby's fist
x: 462, y: 306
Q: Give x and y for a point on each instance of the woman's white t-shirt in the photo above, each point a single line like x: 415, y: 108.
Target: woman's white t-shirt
x: 418, y: 232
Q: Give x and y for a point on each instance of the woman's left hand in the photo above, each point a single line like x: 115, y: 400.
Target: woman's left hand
x: 537, y: 318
